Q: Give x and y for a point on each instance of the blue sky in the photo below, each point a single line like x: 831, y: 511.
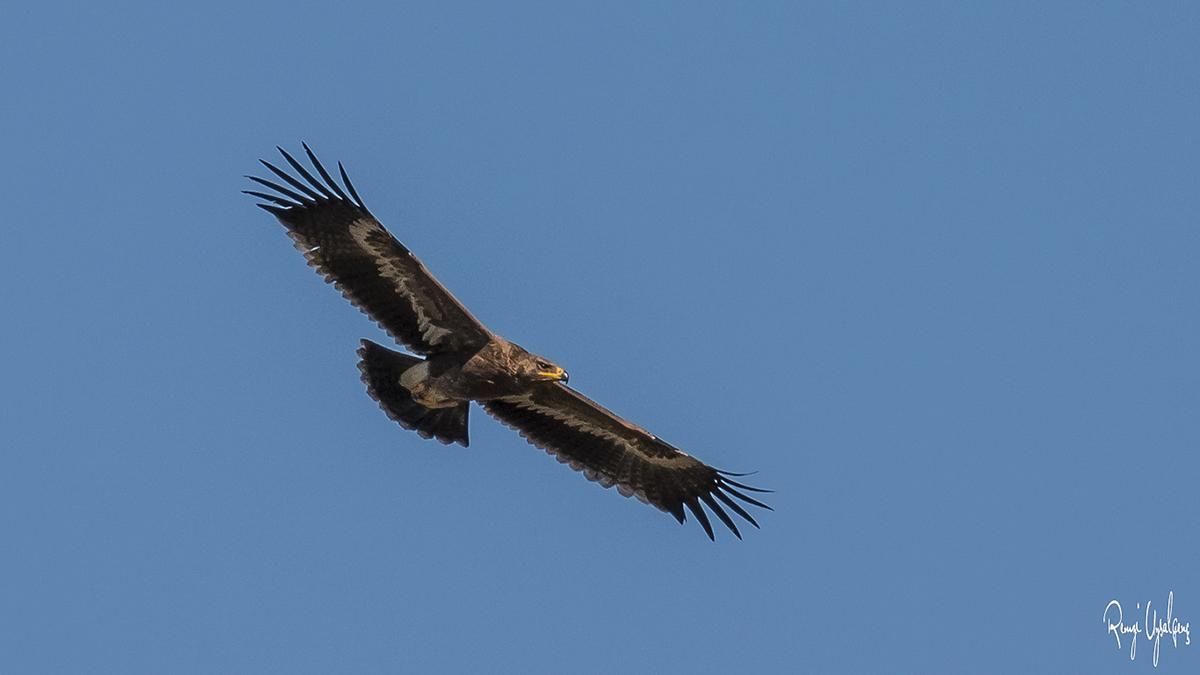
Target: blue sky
x: 931, y: 269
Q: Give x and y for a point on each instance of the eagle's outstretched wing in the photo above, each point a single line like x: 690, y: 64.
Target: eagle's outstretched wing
x: 611, y: 451
x: 352, y: 250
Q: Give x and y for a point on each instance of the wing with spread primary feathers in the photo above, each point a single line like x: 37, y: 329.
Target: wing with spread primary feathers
x: 612, y: 451
x: 351, y: 249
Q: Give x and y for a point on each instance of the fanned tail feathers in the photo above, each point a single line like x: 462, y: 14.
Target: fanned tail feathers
x: 381, y: 370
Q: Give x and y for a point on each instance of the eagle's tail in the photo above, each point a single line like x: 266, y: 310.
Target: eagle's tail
x: 381, y: 370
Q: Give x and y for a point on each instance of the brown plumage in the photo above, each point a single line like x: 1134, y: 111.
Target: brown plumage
x: 465, y: 362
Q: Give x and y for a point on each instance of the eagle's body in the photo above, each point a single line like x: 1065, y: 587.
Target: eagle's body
x: 499, y: 369
x: 465, y: 362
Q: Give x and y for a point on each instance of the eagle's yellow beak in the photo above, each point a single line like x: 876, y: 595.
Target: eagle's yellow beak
x: 555, y: 374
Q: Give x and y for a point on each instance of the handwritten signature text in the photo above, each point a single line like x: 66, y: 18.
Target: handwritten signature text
x: 1154, y: 627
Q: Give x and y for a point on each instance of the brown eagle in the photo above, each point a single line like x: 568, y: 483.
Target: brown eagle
x: 464, y: 362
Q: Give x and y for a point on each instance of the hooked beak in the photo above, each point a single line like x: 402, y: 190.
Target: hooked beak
x: 556, y: 374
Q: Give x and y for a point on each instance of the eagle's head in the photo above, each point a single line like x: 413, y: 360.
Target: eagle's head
x: 536, y: 369
x: 545, y: 370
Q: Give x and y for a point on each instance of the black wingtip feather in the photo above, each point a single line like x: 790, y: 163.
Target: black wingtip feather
x: 299, y: 199
x: 312, y: 196
x: 737, y: 508
x: 744, y: 498
x: 330, y: 182
x: 271, y: 198
x: 694, y: 507
x: 716, y: 508
x: 306, y: 175
x: 734, y: 483
x: 677, y: 511
x: 350, y: 186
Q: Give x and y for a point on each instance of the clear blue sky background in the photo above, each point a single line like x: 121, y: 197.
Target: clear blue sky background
x: 931, y: 269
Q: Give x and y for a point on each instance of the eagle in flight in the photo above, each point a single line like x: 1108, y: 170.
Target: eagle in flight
x: 464, y: 361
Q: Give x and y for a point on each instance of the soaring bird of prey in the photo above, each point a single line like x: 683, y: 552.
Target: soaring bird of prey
x: 464, y: 362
